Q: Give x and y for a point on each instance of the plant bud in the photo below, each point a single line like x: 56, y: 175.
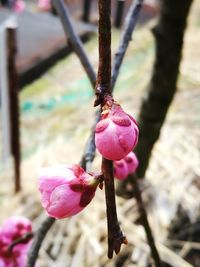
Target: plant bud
x: 66, y: 190
x: 120, y: 169
x: 116, y: 134
x: 131, y: 162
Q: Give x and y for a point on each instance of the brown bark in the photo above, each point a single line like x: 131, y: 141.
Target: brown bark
x: 169, y: 34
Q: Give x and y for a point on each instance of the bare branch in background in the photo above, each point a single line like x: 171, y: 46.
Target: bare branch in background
x: 169, y: 40
x: 14, y: 103
x: 74, y: 39
x: 144, y: 221
x: 131, y: 20
x: 37, y: 241
x: 90, y: 148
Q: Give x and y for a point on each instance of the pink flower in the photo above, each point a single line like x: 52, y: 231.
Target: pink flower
x: 44, y: 5
x: 120, y: 169
x: 16, y: 226
x: 19, y: 6
x: 12, y: 229
x: 131, y: 162
x: 14, y: 260
x: 125, y: 166
x: 116, y: 133
x: 66, y: 190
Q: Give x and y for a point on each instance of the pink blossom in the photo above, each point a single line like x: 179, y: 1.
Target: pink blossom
x: 12, y: 229
x: 120, y: 169
x: 116, y: 133
x: 125, y: 166
x: 66, y: 190
x: 131, y: 162
x: 44, y: 5
x: 19, y: 6
x: 15, y: 259
x: 16, y: 226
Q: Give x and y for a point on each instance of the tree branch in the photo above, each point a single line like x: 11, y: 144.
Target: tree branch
x: 37, y: 242
x: 102, y: 91
x: 115, y: 235
x: 103, y: 83
x: 90, y: 148
x: 74, y: 39
x: 144, y: 222
x: 131, y: 20
x: 161, y: 90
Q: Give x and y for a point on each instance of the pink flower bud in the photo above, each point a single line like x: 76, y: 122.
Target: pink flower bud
x: 66, y: 190
x: 120, y: 169
x: 131, y: 162
x: 116, y: 133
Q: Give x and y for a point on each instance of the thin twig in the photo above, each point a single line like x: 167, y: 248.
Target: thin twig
x: 131, y: 20
x: 22, y: 240
x: 90, y: 148
x: 103, y: 93
x: 145, y: 223
x: 37, y: 242
x: 74, y: 39
x: 103, y: 83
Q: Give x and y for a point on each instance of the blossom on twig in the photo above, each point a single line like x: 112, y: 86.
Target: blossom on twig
x: 66, y: 189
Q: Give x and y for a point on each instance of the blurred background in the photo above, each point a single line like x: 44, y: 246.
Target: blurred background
x: 47, y: 113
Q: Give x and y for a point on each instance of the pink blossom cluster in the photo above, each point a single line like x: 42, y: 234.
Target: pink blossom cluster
x: 13, y: 229
x: 125, y: 166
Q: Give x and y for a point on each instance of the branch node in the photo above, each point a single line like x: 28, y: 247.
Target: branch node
x: 100, y: 92
x: 115, y: 243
